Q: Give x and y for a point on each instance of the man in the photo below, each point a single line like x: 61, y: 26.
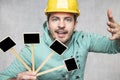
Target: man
x: 61, y: 24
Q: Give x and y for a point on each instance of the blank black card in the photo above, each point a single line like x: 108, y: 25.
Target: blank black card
x: 31, y: 38
x: 58, y: 47
x: 6, y: 44
x: 71, y: 64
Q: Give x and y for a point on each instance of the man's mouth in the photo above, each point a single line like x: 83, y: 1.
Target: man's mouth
x: 61, y: 33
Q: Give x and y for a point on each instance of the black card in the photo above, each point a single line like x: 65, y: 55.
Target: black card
x: 58, y: 47
x: 71, y: 64
x: 31, y: 38
x: 6, y: 44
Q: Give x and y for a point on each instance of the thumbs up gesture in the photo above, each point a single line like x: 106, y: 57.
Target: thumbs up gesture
x: 114, y: 27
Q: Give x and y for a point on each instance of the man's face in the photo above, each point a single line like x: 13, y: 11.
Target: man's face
x: 61, y: 26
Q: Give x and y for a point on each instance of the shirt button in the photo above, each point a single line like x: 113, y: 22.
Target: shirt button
x: 77, y: 56
x: 77, y: 77
x: 63, y: 75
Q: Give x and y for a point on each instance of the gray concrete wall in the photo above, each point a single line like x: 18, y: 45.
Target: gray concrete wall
x: 19, y: 16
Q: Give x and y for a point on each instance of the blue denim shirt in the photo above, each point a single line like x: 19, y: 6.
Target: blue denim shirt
x: 80, y: 44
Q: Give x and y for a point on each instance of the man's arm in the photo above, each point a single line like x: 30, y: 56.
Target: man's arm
x: 15, y: 68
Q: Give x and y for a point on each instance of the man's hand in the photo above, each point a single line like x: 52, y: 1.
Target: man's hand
x: 26, y: 76
x: 114, y: 27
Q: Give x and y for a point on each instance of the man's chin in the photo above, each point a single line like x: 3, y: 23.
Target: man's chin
x: 63, y: 41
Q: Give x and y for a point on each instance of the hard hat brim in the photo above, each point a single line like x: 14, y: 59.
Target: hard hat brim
x: 60, y: 10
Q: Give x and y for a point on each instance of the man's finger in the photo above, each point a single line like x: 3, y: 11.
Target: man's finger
x: 26, y: 76
x: 30, y: 73
x: 111, y: 25
x: 111, y: 30
x: 110, y: 17
x: 113, y: 37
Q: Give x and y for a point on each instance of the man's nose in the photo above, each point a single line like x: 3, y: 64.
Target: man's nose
x: 61, y: 24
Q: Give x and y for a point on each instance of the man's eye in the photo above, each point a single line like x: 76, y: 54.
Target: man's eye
x: 68, y: 19
x: 55, y: 19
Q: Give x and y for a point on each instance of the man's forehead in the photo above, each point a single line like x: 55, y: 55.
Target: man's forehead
x: 61, y: 14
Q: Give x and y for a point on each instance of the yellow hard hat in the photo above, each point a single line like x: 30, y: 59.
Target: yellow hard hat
x: 70, y: 6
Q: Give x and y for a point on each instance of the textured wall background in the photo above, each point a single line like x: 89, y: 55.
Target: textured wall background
x: 19, y: 16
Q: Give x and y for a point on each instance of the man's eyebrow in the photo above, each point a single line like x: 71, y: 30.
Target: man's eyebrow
x: 69, y: 17
x: 54, y: 17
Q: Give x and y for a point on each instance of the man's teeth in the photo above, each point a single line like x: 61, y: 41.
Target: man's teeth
x: 61, y: 32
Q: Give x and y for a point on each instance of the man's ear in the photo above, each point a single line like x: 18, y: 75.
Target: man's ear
x: 47, y: 24
x: 75, y: 25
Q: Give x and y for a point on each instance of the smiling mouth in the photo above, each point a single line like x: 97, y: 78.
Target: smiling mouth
x: 61, y: 34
